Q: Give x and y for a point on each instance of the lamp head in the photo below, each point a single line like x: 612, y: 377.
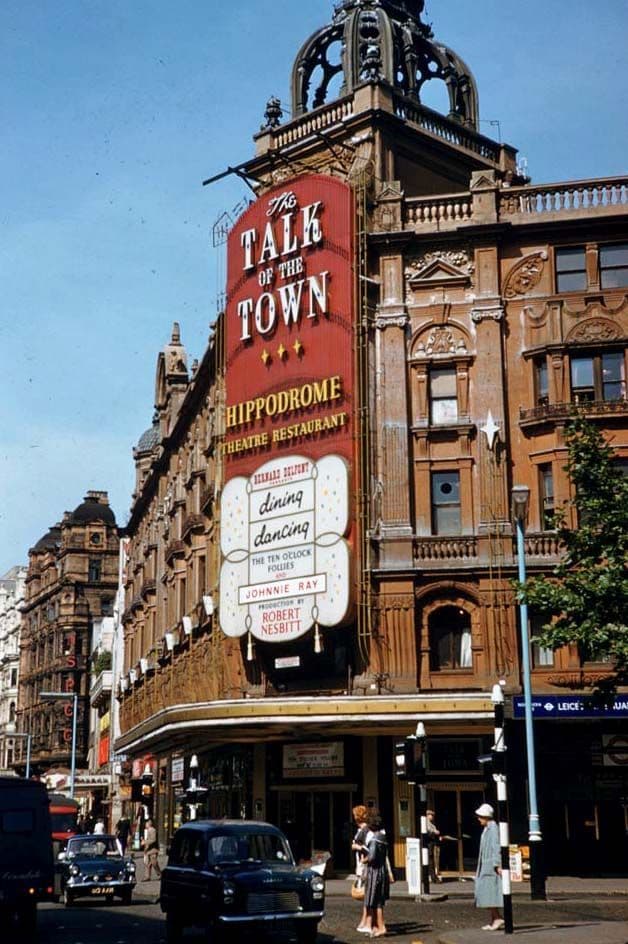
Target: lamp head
x: 420, y: 730
x: 193, y: 762
x: 497, y: 695
x: 520, y: 501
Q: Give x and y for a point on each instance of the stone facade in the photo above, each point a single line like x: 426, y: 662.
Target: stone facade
x: 488, y: 309
x: 72, y: 581
x: 11, y: 598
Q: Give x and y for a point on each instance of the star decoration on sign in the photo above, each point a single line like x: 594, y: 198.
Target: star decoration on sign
x: 281, y: 352
x: 298, y: 347
x: 490, y: 430
x: 265, y: 356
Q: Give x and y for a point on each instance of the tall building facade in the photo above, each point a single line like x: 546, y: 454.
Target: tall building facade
x: 71, y: 586
x: 11, y: 599
x: 320, y: 546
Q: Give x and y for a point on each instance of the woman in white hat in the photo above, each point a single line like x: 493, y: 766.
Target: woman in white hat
x: 488, y: 883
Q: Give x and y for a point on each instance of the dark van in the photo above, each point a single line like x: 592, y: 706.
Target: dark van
x: 26, y: 861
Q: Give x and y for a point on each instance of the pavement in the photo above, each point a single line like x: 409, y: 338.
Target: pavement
x: 559, y: 888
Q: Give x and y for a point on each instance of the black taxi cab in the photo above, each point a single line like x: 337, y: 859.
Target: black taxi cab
x: 237, y: 875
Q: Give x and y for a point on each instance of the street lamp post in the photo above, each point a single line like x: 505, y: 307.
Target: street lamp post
x: 56, y: 696
x: 520, y: 500
x: 11, y: 732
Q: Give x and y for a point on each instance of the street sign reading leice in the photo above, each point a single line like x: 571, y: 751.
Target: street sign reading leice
x: 570, y: 706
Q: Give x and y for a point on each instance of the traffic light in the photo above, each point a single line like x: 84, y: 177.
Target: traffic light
x: 409, y: 764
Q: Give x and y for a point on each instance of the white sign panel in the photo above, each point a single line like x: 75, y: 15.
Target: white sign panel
x: 177, y: 769
x: 314, y: 760
x: 285, y: 558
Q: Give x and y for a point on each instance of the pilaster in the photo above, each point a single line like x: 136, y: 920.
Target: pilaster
x: 392, y: 412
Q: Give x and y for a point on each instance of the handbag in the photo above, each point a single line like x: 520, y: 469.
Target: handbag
x: 357, y: 889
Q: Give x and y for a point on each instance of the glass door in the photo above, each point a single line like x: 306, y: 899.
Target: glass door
x: 455, y: 818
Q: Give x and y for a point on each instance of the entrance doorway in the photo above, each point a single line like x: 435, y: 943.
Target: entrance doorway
x: 316, y: 820
x: 454, y: 815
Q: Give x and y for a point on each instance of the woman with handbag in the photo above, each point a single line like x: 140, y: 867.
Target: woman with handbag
x: 359, y: 847
x: 377, y: 885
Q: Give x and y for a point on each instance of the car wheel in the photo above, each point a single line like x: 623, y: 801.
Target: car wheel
x: 174, y: 928
x: 68, y: 898
x: 307, y: 932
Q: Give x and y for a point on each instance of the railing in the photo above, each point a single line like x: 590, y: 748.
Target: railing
x: 608, y: 193
x: 543, y: 544
x: 303, y: 127
x: 434, y: 551
x: 445, y: 128
x: 560, y: 411
x: 452, y: 208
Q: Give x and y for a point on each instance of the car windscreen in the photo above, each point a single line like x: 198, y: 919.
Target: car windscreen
x: 92, y: 848
x: 252, y: 846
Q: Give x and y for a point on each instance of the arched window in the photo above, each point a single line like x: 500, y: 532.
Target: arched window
x: 450, y: 639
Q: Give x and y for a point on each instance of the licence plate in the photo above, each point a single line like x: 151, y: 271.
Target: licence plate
x: 101, y: 891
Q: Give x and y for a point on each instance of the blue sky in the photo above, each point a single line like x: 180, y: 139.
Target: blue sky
x: 113, y: 113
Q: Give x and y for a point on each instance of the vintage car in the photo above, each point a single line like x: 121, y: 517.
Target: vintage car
x: 93, y: 866
x: 234, y: 875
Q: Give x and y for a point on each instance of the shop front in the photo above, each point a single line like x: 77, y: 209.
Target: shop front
x: 311, y: 790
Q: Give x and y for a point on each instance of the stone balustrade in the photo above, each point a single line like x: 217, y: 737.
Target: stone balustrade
x: 319, y: 120
x: 545, y: 544
x: 438, y: 212
x: 604, y: 195
x: 434, y: 551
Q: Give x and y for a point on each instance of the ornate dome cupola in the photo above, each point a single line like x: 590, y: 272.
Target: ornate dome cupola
x: 381, y: 41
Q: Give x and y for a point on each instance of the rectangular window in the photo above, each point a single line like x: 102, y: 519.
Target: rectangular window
x: 13, y: 678
x: 542, y: 657
x: 106, y: 606
x: 614, y: 266
x: 541, y: 383
x: 582, y: 379
x: 612, y: 375
x: 571, y: 269
x: 598, y: 377
x: 94, y: 570
x: 443, y: 396
x: 546, y: 495
x: 446, y: 503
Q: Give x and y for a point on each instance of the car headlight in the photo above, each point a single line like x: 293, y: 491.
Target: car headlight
x: 131, y: 868
x: 318, y: 886
x: 228, y: 892
x: 74, y: 870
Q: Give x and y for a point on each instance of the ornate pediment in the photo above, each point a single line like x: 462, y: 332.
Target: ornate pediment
x: 448, y: 267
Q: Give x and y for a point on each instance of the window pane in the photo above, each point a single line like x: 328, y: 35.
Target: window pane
x: 614, y: 255
x: 542, y: 656
x: 581, y: 372
x: 445, y: 487
x: 571, y: 281
x: 447, y: 519
x: 444, y: 411
x: 613, y: 387
x: 443, y: 383
x: 542, y: 385
x: 614, y: 278
x: 570, y: 260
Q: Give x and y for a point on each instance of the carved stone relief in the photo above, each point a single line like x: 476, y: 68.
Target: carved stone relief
x: 525, y: 275
x: 595, y: 330
x: 438, y: 340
